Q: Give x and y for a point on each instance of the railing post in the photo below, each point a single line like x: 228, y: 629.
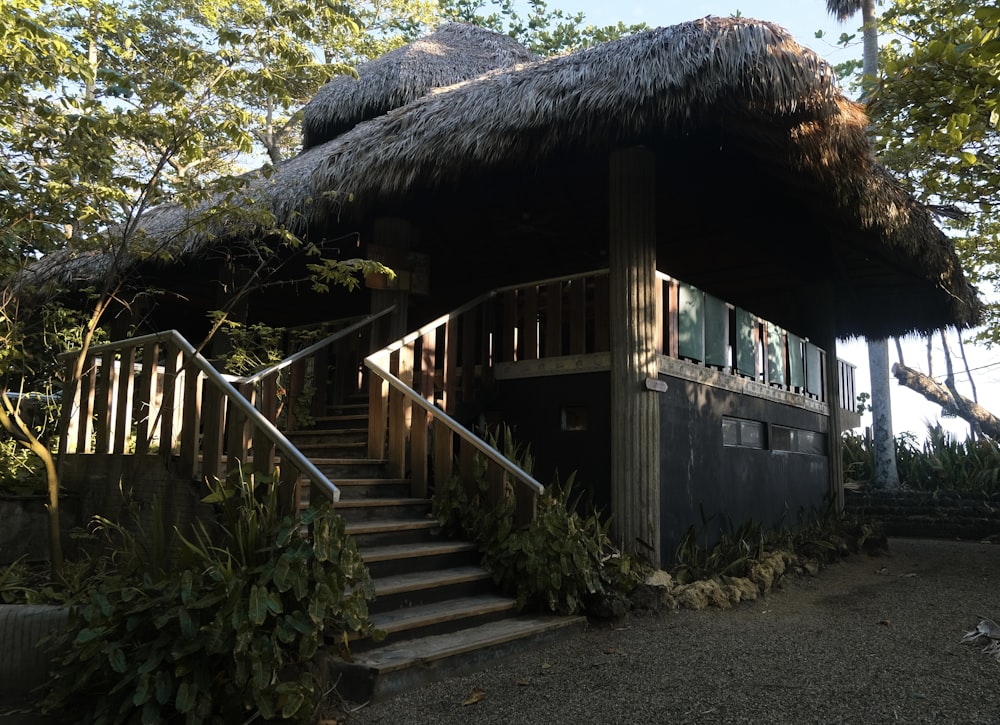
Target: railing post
x: 86, y: 407
x: 126, y: 391
x: 104, y: 400
x: 211, y: 460
x: 190, y: 421
x: 378, y: 395
x: 400, y: 365
x: 263, y: 447
x: 149, y: 399
x: 553, y: 319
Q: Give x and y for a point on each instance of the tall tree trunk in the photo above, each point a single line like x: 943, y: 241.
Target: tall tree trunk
x: 884, y: 445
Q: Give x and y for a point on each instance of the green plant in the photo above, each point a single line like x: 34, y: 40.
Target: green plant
x: 222, y: 624
x: 735, y: 551
x: 557, y: 561
x: 706, y: 553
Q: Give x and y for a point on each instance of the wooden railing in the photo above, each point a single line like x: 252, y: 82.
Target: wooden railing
x: 157, y: 394
x: 569, y: 316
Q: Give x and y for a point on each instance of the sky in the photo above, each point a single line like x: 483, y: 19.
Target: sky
x: 803, y: 18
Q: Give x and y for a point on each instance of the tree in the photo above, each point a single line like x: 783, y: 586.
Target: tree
x: 107, y: 111
x: 884, y: 466
x: 542, y: 30
x: 936, y: 123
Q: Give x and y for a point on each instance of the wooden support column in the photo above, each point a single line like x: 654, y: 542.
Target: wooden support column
x: 393, y: 238
x: 635, y: 412
x: 831, y: 380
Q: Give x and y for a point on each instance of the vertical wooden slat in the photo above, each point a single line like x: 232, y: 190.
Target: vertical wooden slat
x: 497, y: 480
x: 146, y: 403
x: 321, y: 383
x: 418, y: 452
x: 86, y: 407
x: 577, y: 317
x: 444, y: 454
x: 673, y: 317
x: 263, y: 448
x: 104, y: 392
x: 126, y: 392
x: 529, y: 327
x: 469, y: 347
x: 294, y: 402
x: 238, y: 432
x: 401, y: 365
x: 70, y: 416
x: 169, y: 406
x: 602, y: 315
x: 212, y: 419
x: 378, y: 392
x: 553, y: 320
x: 466, y: 467
x: 450, y: 370
x: 506, y: 337
x: 191, y: 421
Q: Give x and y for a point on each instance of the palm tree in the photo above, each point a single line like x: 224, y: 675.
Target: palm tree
x: 884, y: 472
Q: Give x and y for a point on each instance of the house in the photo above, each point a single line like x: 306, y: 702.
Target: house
x: 639, y: 255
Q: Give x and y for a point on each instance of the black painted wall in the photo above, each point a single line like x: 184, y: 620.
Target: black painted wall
x: 534, y: 406
x: 732, y: 484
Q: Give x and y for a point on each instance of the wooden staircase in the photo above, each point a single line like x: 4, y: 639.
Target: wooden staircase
x: 439, y: 609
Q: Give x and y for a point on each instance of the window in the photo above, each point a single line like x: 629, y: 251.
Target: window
x: 796, y: 440
x: 742, y: 433
x: 574, y: 417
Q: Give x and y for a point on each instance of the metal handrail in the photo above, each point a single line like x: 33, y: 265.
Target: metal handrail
x: 464, y: 433
x: 297, y: 458
x: 307, y: 351
x: 380, y: 369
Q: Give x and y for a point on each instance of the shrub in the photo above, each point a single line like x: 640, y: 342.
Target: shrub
x: 209, y: 628
x: 556, y: 562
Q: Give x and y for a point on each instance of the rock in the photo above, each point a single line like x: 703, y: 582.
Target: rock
x: 607, y: 606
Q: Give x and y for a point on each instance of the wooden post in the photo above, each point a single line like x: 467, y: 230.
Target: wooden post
x: 831, y: 377
x: 635, y: 412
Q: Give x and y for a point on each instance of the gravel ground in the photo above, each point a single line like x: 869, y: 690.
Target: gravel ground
x: 868, y: 640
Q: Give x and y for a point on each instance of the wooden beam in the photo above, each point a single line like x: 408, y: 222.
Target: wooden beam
x: 635, y: 412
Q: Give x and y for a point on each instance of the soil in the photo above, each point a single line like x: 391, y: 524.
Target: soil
x: 868, y: 640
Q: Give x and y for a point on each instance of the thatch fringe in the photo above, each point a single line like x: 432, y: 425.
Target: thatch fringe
x: 776, y: 99
x: 453, y: 53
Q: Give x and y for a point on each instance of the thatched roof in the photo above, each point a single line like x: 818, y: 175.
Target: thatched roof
x: 777, y: 101
x: 455, y: 52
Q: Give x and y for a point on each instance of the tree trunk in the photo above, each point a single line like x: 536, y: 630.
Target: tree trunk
x: 884, y: 472
x: 971, y: 411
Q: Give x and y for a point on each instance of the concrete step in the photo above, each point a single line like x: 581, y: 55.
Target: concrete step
x: 362, y: 488
x: 340, y: 467
x: 389, y: 669
x: 367, y: 509
x: 318, y: 437
x: 439, y: 617
x: 371, y: 534
x: 414, y: 589
x: 393, y: 559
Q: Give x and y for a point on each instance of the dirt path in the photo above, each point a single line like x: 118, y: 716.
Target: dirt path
x: 868, y: 640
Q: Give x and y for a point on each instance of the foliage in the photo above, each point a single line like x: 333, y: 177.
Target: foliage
x: 940, y: 463
x: 556, y: 562
x: 736, y: 550
x: 216, y: 626
x: 705, y: 553
x: 936, y: 120
x: 542, y: 30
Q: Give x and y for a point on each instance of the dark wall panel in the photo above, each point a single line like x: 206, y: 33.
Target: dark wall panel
x: 535, y: 407
x: 731, y: 484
